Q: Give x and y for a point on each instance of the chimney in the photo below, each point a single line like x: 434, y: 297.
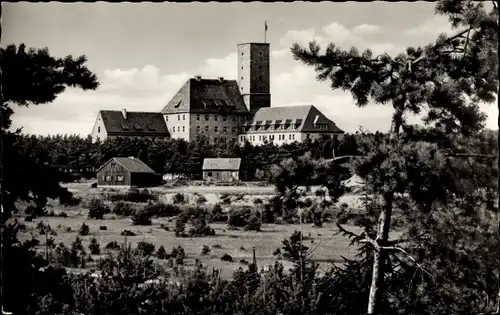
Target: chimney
x: 198, y: 78
x: 124, y: 113
x: 221, y: 79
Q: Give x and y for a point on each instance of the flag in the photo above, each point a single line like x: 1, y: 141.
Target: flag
x: 265, y: 25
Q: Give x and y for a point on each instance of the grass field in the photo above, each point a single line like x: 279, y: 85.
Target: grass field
x: 328, y: 246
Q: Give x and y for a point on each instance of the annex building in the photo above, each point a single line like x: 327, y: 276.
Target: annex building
x: 234, y: 110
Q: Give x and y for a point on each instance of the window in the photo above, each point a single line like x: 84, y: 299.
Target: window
x: 271, y: 137
x: 216, y: 117
x: 224, y: 130
x: 183, y: 117
x: 209, y: 174
x: 234, y: 129
x: 178, y: 117
x: 242, y: 78
x: 289, y: 137
x: 197, y: 117
x: 241, y: 67
x: 120, y: 178
x: 216, y: 129
x: 197, y: 128
x: 206, y: 128
x: 108, y: 178
x: 260, y: 138
x: 224, y: 118
x: 242, y: 54
x: 183, y: 128
x: 206, y: 117
x: 234, y: 117
x: 308, y: 136
x: 98, y: 129
x: 113, y: 165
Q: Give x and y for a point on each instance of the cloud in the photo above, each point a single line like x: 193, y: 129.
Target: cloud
x: 292, y: 83
x: 367, y: 29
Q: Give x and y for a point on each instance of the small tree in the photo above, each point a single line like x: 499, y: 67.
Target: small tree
x: 94, y: 247
x: 97, y: 209
x: 145, y: 248
x: 84, y: 230
x: 161, y: 253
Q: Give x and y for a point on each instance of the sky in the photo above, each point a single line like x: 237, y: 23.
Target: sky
x: 142, y: 53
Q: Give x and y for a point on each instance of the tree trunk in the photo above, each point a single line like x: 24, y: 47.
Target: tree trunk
x: 384, y: 226
x: 379, y: 257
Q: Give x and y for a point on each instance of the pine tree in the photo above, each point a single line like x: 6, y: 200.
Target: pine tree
x: 447, y: 79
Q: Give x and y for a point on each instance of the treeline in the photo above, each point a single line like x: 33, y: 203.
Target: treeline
x: 79, y: 157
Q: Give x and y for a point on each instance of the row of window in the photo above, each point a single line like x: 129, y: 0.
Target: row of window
x: 109, y: 178
x: 207, y: 117
x: 179, y: 128
x: 216, y: 129
x: 265, y: 137
x: 275, y: 127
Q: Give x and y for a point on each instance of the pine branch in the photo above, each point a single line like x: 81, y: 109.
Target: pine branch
x: 409, y: 256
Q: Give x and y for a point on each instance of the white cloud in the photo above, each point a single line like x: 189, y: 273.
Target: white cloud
x: 292, y: 83
x: 367, y: 29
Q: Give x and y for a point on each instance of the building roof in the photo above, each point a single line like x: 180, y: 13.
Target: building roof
x: 207, y: 96
x: 221, y: 164
x: 131, y: 164
x: 304, y: 118
x: 135, y: 123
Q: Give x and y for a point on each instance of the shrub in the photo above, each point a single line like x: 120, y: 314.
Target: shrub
x: 84, y: 230
x: 127, y: 233
x: 123, y: 208
x: 201, y: 200
x: 178, y: 254
x: 205, y: 250
x: 239, y: 217
x: 113, y: 245
x: 217, y: 215
x: 62, y: 214
x: 145, y: 248
x: 161, y: 253
x: 258, y: 201
x: 277, y: 252
x: 141, y: 217
x: 94, y: 247
x: 253, y: 224
x: 162, y: 210
x: 200, y: 227
x: 179, y: 198
x: 134, y: 195
x: 217, y: 246
x: 225, y: 199
x: 29, y: 218
x: 226, y: 257
x: 180, y: 226
x: 244, y: 261
x: 35, y: 211
x: 97, y: 208
x: 103, y: 228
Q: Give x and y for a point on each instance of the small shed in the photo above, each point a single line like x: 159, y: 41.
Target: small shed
x: 127, y: 171
x: 221, y: 169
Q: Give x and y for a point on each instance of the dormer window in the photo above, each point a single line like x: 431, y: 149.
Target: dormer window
x: 98, y: 129
x: 137, y: 126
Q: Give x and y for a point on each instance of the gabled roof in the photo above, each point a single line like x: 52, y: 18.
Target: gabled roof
x: 136, y: 123
x: 131, y: 164
x: 207, y: 96
x: 303, y: 118
x: 221, y: 164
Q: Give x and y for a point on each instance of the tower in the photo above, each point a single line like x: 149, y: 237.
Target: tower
x: 254, y: 75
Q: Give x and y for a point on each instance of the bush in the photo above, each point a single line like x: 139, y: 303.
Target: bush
x: 97, y: 208
x: 178, y: 254
x: 200, y: 227
x: 141, y: 217
x: 226, y: 257
x: 123, y: 208
x: 145, y: 248
x: 103, y: 228
x: 217, y: 215
x: 29, y: 218
x: 84, y: 230
x: 94, y: 247
x: 179, y: 198
x: 258, y: 201
x: 162, y: 210
x: 161, y: 253
x: 269, y: 216
x: 180, y: 226
x: 238, y: 217
x: 217, y: 246
x: 134, y: 195
x: 225, y: 199
x: 201, y: 200
x: 244, y: 261
x: 62, y: 214
x: 113, y: 245
x: 253, y: 224
x: 127, y: 233
x: 205, y: 250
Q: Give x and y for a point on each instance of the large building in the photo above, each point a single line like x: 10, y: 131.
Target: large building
x: 237, y: 110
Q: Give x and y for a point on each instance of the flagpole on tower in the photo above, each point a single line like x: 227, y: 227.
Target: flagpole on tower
x: 265, y: 31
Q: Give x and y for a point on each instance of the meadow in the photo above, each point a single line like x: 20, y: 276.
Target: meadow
x: 327, y: 246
